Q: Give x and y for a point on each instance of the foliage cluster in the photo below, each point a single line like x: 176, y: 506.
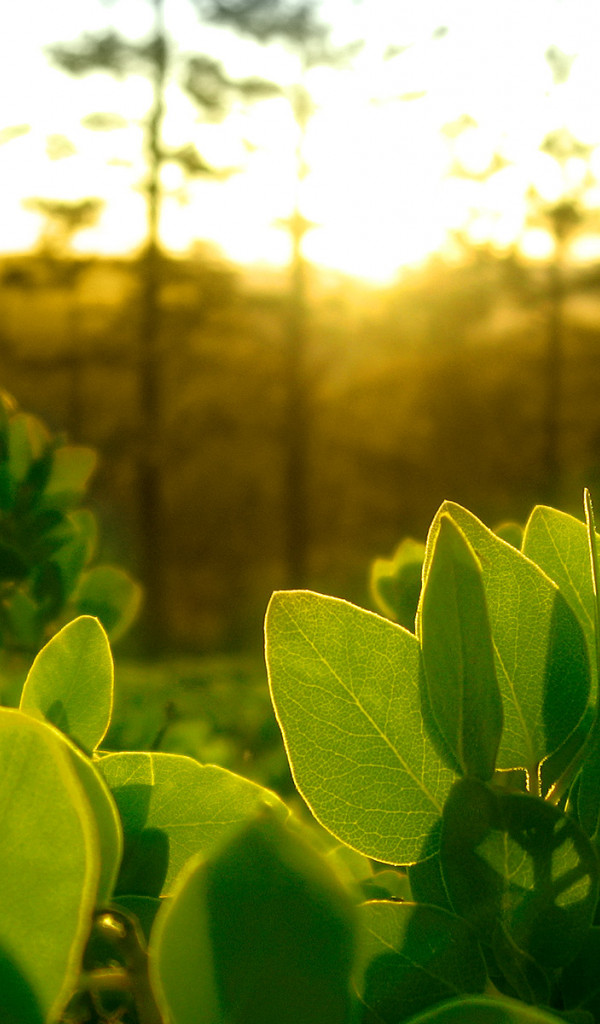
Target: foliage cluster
x: 456, y: 768
x: 48, y: 541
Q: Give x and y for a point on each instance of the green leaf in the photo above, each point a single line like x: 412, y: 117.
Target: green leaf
x: 559, y: 544
x: 395, y: 582
x: 171, y: 807
x: 106, y: 816
x: 21, y: 617
x: 27, y: 442
x: 262, y: 933
x: 542, y: 665
x: 520, y: 871
x: 411, y: 956
x: 580, y: 980
x: 71, y: 468
x: 458, y: 655
x: 485, y: 1010
x: 110, y: 594
x: 345, y: 686
x: 71, y: 682
x: 49, y: 865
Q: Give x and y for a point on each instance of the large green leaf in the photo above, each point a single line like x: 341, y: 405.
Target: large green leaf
x: 345, y: 685
x: 558, y: 543
x: 172, y: 807
x: 71, y: 682
x: 542, y: 664
x: 458, y: 655
x: 521, y: 872
x: 49, y: 866
x: 412, y: 956
x: 485, y: 1010
x: 261, y: 933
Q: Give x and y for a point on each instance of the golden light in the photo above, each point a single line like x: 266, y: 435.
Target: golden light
x: 379, y: 191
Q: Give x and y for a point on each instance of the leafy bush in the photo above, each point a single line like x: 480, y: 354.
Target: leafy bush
x: 456, y: 770
x: 47, y: 541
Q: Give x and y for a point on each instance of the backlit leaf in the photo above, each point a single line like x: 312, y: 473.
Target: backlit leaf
x: 558, y: 543
x: 541, y: 657
x: 171, y: 808
x: 395, y: 582
x: 49, y: 866
x: 71, y: 682
x: 458, y: 655
x: 345, y: 685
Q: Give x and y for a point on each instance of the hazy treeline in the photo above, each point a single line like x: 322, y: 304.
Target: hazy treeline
x: 439, y: 387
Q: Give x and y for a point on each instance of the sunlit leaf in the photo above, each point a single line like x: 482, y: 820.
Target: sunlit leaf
x: 49, y: 865
x: 541, y: 657
x: 71, y: 682
x: 171, y: 808
x: 458, y: 655
x: 395, y: 582
x: 345, y: 685
x: 558, y: 543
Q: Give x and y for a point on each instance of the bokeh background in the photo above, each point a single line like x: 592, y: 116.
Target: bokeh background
x: 299, y: 271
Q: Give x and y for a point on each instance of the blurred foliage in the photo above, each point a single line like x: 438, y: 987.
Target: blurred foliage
x: 48, y: 542
x: 214, y: 709
x: 428, y: 389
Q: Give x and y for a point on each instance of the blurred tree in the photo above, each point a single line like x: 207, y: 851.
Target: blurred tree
x: 62, y: 220
x: 207, y: 82
x: 300, y: 27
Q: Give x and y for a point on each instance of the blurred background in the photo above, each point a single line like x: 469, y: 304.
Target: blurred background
x: 299, y: 271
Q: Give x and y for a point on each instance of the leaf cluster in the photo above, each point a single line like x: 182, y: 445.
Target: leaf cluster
x: 48, y: 541
x: 462, y: 747
x: 455, y: 767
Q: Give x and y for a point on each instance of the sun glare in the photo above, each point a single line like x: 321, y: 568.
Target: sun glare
x: 401, y: 152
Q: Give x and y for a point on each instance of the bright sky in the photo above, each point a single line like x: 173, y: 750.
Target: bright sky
x: 379, y: 187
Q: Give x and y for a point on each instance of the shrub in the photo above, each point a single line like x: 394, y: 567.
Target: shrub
x: 456, y: 770
x: 48, y: 541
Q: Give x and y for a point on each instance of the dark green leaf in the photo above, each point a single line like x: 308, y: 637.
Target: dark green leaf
x: 458, y: 656
x: 411, y: 956
x: 485, y: 1010
x: 520, y: 871
x: 580, y: 980
x: 261, y: 933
